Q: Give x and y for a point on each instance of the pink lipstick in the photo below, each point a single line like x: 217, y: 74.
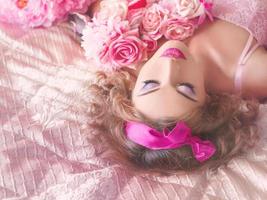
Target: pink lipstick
x: 173, y: 53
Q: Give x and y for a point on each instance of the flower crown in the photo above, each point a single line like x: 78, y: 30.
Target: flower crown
x: 124, y: 32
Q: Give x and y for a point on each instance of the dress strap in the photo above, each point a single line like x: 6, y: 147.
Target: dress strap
x: 246, y: 53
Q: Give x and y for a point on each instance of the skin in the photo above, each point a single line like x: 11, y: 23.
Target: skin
x: 212, y: 54
x: 210, y: 66
x: 168, y: 89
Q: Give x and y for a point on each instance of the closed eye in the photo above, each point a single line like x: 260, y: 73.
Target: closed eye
x: 149, y: 85
x: 186, y: 89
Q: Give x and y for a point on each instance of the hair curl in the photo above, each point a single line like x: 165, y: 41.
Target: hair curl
x: 225, y: 119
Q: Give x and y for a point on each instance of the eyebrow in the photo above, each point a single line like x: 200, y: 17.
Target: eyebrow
x: 154, y: 90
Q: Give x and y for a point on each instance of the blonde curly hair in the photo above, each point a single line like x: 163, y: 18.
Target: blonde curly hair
x: 226, y: 120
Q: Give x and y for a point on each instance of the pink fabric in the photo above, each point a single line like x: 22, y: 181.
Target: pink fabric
x: 251, y: 15
x: 43, y: 151
x: 179, y: 136
x: 248, y: 50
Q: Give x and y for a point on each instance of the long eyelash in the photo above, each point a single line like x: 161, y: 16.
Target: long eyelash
x: 150, y: 81
x: 188, y: 85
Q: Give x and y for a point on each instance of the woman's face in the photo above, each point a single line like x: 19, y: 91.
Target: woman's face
x: 170, y: 84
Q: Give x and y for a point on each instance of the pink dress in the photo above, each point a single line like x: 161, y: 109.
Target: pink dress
x: 250, y: 15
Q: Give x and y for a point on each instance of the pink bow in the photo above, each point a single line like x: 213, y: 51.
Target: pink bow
x: 180, y: 135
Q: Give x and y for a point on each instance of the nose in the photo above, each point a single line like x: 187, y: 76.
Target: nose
x: 170, y: 70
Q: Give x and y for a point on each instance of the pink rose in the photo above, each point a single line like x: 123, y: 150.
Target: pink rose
x: 112, y: 45
x: 135, y: 17
x: 152, y: 20
x: 126, y: 50
x: 178, y: 29
x: 151, y: 44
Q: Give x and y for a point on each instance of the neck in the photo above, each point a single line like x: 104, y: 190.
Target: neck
x: 217, y: 61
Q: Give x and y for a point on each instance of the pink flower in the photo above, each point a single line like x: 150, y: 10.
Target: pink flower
x: 152, y: 20
x: 135, y: 17
x: 29, y: 13
x: 63, y: 7
x: 126, y: 50
x: 178, y: 29
x: 124, y: 32
x: 35, y: 13
x: 95, y: 38
x: 112, y: 45
x: 152, y: 45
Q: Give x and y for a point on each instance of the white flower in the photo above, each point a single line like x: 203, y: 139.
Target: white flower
x: 110, y: 9
x: 189, y: 8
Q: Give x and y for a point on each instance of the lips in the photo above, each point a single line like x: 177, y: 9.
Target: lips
x: 173, y: 53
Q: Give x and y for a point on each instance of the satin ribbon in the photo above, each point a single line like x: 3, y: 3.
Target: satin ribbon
x: 179, y: 136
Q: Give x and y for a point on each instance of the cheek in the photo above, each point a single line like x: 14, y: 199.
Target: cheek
x: 202, y: 94
x: 134, y: 94
x: 136, y: 87
x: 203, y: 98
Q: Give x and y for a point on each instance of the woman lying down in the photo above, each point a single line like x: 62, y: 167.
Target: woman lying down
x: 180, y: 81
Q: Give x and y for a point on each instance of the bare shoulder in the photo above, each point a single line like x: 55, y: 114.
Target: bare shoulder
x: 255, y: 74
